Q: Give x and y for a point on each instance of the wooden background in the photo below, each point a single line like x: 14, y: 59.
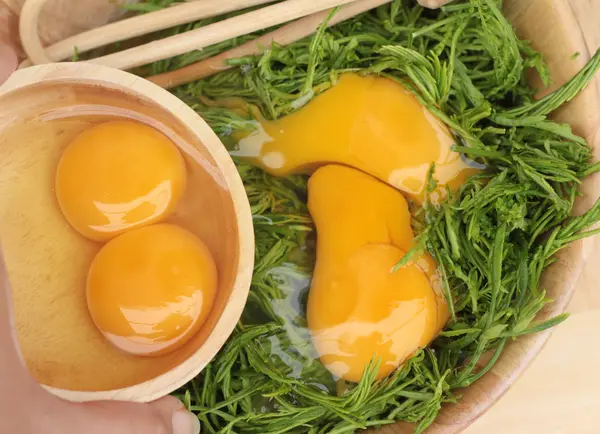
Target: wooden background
x: 560, y: 391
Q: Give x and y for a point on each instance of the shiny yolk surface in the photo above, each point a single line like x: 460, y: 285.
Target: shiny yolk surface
x: 358, y: 308
x: 151, y: 289
x: 370, y: 123
x: 117, y: 176
x: 377, y: 314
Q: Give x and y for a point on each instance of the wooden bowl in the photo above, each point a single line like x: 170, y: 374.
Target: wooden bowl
x: 59, y: 18
x: 47, y: 261
x: 558, y: 29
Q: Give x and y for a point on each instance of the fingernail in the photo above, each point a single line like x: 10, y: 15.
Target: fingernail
x: 185, y: 422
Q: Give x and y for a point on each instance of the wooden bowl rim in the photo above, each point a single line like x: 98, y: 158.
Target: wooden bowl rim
x: 563, y: 275
x: 85, y: 73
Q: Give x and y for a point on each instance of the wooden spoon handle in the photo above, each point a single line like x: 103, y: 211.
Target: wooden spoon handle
x: 214, y: 33
x: 28, y: 30
x: 121, y: 30
x: 283, y: 36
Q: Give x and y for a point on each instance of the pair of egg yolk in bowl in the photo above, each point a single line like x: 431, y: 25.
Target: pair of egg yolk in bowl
x: 152, y: 285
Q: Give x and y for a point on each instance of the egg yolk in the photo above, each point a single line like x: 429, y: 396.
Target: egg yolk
x: 359, y: 309
x: 117, y: 176
x: 370, y: 123
x: 377, y: 314
x: 151, y: 289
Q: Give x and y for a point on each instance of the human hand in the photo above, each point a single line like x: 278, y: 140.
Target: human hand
x: 26, y: 408
x: 8, y: 62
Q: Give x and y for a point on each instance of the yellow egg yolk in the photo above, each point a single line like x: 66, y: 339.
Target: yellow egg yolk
x: 358, y: 307
x: 117, y: 176
x: 370, y: 123
x: 151, y: 289
x: 378, y: 314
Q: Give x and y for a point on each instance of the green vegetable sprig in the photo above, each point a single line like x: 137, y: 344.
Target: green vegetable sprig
x: 492, y: 239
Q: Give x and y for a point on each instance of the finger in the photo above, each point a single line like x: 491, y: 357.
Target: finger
x: 8, y: 62
x: 183, y: 422
x: 166, y: 416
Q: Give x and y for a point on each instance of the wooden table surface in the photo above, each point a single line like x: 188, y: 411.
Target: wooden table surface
x: 560, y: 392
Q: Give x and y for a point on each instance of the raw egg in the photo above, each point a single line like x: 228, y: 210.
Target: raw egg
x: 371, y: 123
x: 152, y: 288
x: 359, y: 308
x: 365, y: 312
x: 116, y: 176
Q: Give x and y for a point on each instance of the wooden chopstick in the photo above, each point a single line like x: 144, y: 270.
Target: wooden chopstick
x: 283, y: 36
x: 120, y: 30
x: 218, y: 32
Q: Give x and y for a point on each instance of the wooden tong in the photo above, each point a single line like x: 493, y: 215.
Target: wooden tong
x: 283, y: 36
x: 253, y: 21
x: 125, y: 29
x: 308, y: 15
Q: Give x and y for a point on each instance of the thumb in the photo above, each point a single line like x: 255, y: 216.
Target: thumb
x: 165, y: 416
x: 19, y: 393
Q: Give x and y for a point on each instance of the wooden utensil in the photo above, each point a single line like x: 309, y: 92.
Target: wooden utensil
x: 185, y: 42
x: 283, y: 36
x: 120, y: 30
x: 61, y: 18
x: 47, y: 261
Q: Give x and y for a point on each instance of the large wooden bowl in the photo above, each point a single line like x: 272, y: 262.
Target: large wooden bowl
x: 559, y: 29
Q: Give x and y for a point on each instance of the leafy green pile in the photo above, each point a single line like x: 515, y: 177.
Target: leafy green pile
x: 492, y: 239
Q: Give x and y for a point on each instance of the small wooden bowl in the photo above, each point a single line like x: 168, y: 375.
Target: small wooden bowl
x: 62, y: 348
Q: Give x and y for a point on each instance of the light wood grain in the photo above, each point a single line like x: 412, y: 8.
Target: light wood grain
x: 559, y: 392
x: 46, y: 259
x: 63, y: 18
